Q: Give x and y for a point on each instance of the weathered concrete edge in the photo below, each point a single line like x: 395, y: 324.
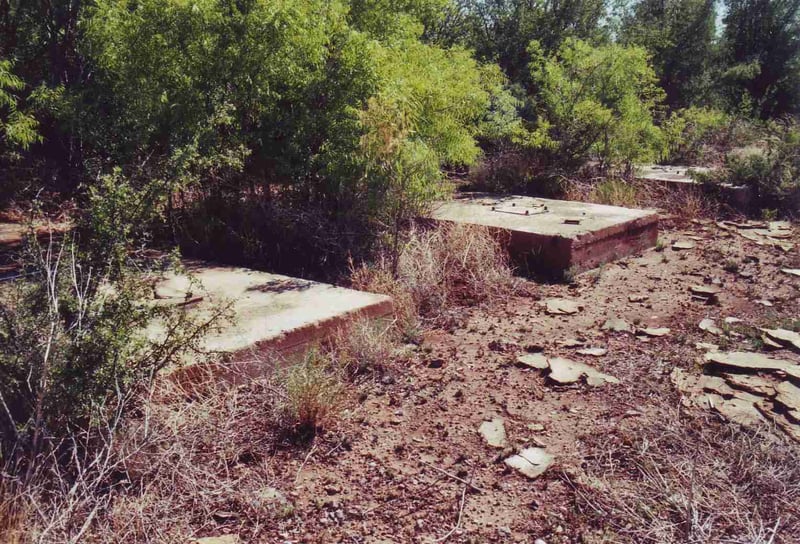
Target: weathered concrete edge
x: 259, y: 359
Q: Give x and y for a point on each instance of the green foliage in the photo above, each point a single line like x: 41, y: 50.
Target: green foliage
x: 761, y: 52
x: 500, y: 31
x: 774, y: 174
x: 680, y: 36
x: 17, y: 129
x: 597, y: 100
x: 687, y: 131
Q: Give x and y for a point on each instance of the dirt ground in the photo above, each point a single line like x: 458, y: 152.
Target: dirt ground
x: 632, y: 463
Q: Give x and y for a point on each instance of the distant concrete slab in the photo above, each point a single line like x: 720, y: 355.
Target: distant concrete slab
x: 552, y: 236
x: 681, y: 176
x: 271, y: 313
x: 670, y: 173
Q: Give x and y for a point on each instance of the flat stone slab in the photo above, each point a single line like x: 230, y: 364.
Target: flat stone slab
x: 553, y: 236
x: 270, y: 312
x: 669, y: 174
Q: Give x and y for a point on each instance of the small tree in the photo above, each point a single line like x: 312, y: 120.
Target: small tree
x: 597, y: 101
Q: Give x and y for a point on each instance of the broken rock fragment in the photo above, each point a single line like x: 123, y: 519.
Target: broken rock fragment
x: 566, y: 371
x: 709, y: 325
x: 531, y: 462
x: 784, y: 337
x: 745, y: 360
x: 562, y: 306
x: 791, y: 271
x: 709, y: 293
x: 682, y: 245
x: 594, y: 352
x: 616, y: 324
x: 654, y: 332
x: 788, y: 395
x: 494, y: 433
x: 750, y: 383
x: 533, y: 360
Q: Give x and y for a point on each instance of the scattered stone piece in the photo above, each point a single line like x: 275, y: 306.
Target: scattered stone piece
x: 594, y: 352
x: 790, y: 428
x: 706, y: 292
x: 571, y: 343
x: 740, y: 410
x: 769, y: 343
x: 654, y: 332
x: 535, y: 427
x: 702, y: 391
x: 533, y: 360
x: 222, y: 539
x: 682, y: 245
x: 752, y: 384
x: 788, y: 395
x: 784, y: 337
x: 616, y: 324
x: 637, y: 298
x: 791, y: 271
x: 494, y: 433
x: 709, y: 325
x: 764, y: 302
x: 793, y: 372
x: 705, y: 346
x: 562, y: 306
x: 531, y: 462
x: 732, y: 320
x: 566, y: 371
x: 745, y: 360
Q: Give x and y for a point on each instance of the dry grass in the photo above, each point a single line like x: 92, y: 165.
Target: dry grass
x: 313, y: 395
x: 13, y: 516
x: 615, y: 192
x: 365, y: 346
x: 182, y: 468
x: 690, y: 480
x: 681, y: 203
x: 438, y: 270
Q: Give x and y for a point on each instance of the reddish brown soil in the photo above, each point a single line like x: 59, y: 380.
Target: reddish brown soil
x: 371, y: 480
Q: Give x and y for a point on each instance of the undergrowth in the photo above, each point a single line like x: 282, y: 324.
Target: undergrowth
x: 438, y: 270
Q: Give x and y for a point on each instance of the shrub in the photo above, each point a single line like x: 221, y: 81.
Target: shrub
x: 438, y: 269
x: 597, y: 101
x: 615, y: 192
x: 773, y: 175
x: 692, y: 133
x: 313, y: 395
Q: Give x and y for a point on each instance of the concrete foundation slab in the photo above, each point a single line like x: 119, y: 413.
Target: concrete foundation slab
x: 669, y: 173
x: 553, y: 236
x: 271, y: 313
x: 739, y: 197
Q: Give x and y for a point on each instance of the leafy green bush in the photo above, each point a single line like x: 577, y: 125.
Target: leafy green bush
x: 72, y: 328
x: 773, y: 174
x: 310, y: 105
x: 597, y: 101
x: 690, y: 131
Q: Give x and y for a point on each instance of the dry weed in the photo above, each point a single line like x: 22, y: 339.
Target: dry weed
x: 615, y: 192
x: 13, y: 515
x: 693, y: 481
x: 364, y: 346
x: 439, y: 269
x: 313, y: 395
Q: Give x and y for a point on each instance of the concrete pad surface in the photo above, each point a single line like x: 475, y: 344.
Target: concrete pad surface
x: 668, y: 173
x: 270, y: 311
x: 556, y: 235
